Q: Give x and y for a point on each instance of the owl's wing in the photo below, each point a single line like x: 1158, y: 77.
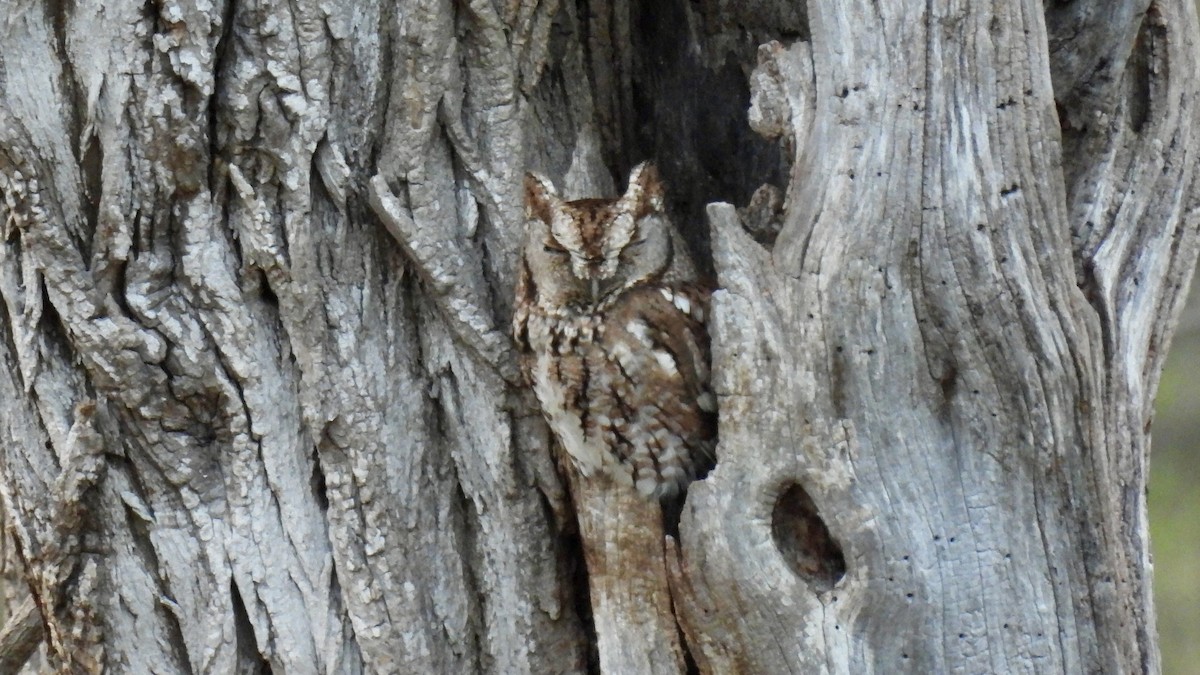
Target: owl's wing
x: 658, y: 338
x: 678, y: 317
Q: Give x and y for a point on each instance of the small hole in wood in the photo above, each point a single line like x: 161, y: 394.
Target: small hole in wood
x: 804, y: 540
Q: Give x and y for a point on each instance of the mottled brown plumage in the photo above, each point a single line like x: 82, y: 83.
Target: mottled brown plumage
x: 611, y: 325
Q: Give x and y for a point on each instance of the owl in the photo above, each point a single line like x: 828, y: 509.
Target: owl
x: 610, y: 323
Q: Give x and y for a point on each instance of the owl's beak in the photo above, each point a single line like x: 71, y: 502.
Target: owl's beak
x: 595, y: 289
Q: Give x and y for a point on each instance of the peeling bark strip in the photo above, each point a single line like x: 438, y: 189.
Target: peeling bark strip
x: 256, y: 411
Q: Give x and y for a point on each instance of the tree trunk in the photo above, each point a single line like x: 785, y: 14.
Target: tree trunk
x: 260, y: 408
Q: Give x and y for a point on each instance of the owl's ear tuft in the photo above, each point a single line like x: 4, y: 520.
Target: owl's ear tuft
x: 645, y: 189
x: 540, y: 197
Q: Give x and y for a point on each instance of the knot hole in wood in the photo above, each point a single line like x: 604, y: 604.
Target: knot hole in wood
x: 804, y: 541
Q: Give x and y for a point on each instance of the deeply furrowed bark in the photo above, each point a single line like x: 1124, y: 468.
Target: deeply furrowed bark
x: 259, y: 406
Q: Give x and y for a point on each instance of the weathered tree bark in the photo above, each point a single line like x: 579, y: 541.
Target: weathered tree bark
x: 259, y: 407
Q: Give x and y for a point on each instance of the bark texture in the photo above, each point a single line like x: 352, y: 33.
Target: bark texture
x: 259, y: 408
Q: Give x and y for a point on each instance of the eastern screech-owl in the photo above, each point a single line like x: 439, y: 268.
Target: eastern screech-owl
x: 611, y: 325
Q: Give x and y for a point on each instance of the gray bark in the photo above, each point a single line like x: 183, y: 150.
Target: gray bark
x: 259, y: 407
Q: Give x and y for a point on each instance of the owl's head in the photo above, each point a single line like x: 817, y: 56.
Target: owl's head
x: 610, y: 244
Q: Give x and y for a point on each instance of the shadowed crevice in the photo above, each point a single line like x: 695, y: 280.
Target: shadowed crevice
x: 247, y: 647
x: 573, y: 555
